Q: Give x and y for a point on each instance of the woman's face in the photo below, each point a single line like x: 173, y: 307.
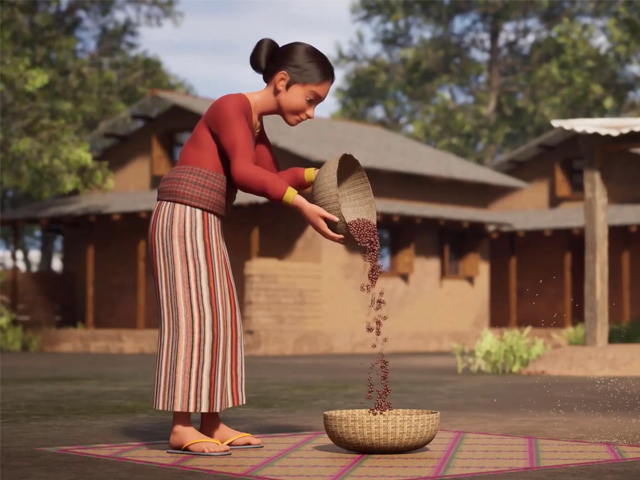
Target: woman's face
x: 299, y: 102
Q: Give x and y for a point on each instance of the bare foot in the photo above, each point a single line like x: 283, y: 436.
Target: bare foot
x: 224, y: 433
x: 181, y: 435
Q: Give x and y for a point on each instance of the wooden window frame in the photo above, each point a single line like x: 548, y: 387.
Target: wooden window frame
x: 160, y: 155
x: 402, y: 236
x: 162, y: 146
x: 470, y: 257
x: 564, y: 188
x: 172, y: 142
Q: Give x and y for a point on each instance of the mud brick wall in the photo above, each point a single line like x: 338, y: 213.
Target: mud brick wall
x: 283, y: 306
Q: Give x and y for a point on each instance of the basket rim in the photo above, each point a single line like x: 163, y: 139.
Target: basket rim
x: 407, y: 412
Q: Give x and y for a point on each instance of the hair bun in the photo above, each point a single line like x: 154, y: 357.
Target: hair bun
x: 262, y: 52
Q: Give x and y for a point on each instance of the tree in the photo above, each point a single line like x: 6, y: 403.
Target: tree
x: 480, y: 78
x: 65, y: 66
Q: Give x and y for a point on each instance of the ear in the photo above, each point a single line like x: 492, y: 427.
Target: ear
x: 280, y: 81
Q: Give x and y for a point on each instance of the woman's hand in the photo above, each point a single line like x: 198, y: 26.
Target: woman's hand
x: 316, y: 216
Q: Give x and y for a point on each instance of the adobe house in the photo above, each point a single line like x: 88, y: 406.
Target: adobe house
x: 299, y: 293
x: 538, y: 263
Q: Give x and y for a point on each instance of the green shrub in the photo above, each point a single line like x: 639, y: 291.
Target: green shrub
x: 13, y: 337
x: 77, y: 326
x: 10, y: 333
x: 575, y: 334
x: 31, y: 341
x: 629, y: 333
x: 492, y: 354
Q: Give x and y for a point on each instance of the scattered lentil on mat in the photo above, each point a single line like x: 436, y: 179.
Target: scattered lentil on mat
x: 366, y: 234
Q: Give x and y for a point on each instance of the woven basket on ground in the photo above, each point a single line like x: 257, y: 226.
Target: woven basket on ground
x: 342, y: 188
x: 395, y: 431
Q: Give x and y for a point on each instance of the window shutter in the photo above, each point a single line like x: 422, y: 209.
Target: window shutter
x: 160, y: 159
x: 444, y: 253
x: 471, y: 260
x: 403, y: 251
x: 561, y: 180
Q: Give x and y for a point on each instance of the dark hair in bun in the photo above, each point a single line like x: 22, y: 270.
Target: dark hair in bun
x: 303, y: 63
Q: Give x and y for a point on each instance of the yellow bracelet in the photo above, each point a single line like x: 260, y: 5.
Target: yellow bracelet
x: 309, y: 175
x: 289, y: 195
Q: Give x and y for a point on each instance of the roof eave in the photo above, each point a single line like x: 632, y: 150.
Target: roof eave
x: 531, y: 149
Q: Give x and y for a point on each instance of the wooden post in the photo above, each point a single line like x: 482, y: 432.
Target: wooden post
x: 254, y: 249
x: 596, y: 233
x: 90, y: 274
x: 142, y: 282
x: 568, y: 284
x: 625, y: 269
x: 513, y: 283
x: 15, y: 271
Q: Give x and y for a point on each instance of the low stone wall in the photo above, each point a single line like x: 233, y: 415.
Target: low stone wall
x: 69, y: 340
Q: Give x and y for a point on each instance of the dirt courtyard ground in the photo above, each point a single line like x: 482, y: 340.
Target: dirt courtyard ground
x: 54, y: 400
x: 607, y: 361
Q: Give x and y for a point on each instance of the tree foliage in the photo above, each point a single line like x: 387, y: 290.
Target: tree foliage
x: 481, y: 77
x: 65, y: 66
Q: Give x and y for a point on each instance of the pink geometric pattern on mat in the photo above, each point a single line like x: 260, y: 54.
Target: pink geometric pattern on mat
x: 312, y: 456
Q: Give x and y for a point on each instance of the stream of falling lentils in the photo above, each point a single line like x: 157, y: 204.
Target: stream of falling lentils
x: 366, y: 234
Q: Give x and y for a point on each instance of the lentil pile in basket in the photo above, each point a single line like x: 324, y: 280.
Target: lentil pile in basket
x: 366, y: 234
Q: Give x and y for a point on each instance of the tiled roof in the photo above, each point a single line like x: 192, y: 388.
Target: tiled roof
x: 322, y: 139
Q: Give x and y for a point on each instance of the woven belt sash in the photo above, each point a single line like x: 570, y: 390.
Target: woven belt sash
x: 199, y: 188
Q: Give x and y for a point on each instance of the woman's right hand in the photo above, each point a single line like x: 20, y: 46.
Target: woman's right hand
x: 316, y: 216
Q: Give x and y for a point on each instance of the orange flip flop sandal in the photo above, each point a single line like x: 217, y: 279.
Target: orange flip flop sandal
x: 237, y: 447
x: 205, y: 454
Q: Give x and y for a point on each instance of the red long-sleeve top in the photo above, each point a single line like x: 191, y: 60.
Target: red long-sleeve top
x: 225, y: 141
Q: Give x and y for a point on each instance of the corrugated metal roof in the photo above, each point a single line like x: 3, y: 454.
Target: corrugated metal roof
x: 565, y: 129
x: 322, y: 139
x: 601, y: 126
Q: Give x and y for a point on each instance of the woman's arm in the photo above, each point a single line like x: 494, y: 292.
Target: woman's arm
x: 227, y: 122
x: 296, y: 177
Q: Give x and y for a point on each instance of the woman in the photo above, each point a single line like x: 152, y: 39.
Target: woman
x: 200, y: 363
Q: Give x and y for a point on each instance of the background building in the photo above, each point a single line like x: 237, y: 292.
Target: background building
x: 465, y: 246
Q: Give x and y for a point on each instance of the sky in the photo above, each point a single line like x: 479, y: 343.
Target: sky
x: 210, y: 48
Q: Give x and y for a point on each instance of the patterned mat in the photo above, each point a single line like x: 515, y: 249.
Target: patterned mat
x: 312, y: 456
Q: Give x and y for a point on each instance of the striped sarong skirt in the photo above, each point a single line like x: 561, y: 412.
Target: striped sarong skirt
x: 200, y: 361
